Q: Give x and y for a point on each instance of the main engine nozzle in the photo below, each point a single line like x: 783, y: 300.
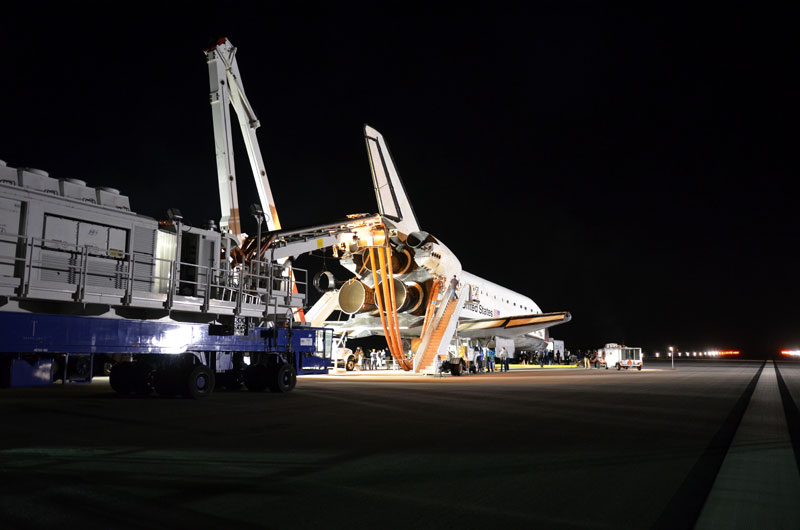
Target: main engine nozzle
x: 357, y: 297
x: 402, y: 260
x: 408, y: 296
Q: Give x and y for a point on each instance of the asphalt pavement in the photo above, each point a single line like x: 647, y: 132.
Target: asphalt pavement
x: 569, y: 448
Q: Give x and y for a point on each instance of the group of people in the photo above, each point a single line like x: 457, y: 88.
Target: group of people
x: 372, y: 360
x: 487, y: 360
x: 547, y: 358
x: 587, y: 358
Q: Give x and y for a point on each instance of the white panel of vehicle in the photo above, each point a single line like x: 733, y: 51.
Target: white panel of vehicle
x: 93, y: 236
x: 9, y: 224
x: 60, y: 232
x: 116, y: 242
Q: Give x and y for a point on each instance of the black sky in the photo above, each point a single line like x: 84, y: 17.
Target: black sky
x: 636, y: 168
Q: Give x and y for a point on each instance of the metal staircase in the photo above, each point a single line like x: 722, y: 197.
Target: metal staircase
x: 437, y: 337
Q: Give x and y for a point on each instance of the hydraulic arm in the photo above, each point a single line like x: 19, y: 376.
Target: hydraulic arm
x: 226, y: 91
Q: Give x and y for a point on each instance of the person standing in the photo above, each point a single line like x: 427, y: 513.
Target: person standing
x: 490, y: 365
x: 504, y: 358
x: 454, y: 285
x: 479, y: 359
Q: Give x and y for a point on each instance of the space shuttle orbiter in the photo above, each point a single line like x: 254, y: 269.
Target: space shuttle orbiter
x: 414, y: 300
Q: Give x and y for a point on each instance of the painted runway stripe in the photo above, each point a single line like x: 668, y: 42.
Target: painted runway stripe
x: 683, y: 510
x: 792, y: 416
x: 758, y: 484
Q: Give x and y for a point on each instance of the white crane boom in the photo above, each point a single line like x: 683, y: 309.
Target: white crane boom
x: 226, y: 88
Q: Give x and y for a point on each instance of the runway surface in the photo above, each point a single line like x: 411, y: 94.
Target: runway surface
x: 708, y: 445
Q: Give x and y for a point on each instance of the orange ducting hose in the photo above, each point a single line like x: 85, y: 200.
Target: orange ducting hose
x: 391, y: 327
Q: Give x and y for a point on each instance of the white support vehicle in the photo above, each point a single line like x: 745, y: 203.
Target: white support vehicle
x: 344, y: 358
x: 620, y: 356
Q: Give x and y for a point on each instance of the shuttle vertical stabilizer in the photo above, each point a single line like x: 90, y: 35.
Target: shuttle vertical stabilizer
x: 393, y: 202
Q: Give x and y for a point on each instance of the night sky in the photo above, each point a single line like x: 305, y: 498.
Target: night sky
x: 634, y: 168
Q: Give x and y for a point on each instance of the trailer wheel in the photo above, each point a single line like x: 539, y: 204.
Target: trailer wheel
x: 199, y: 382
x: 639, y: 367
x: 120, y: 378
x: 351, y: 364
x: 166, y: 382
x: 282, y: 378
x: 255, y: 377
x: 141, y: 378
x: 231, y: 380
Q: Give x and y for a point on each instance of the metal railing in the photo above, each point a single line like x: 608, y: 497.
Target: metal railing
x: 435, y: 322
x: 37, y: 268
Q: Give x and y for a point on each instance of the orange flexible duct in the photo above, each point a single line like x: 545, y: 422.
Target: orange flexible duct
x: 379, y: 301
x: 387, y: 299
x: 389, y: 318
x: 405, y: 363
x: 392, y: 317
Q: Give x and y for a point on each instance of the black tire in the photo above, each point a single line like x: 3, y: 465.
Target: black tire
x: 455, y: 369
x: 79, y: 366
x: 639, y: 367
x: 231, y: 380
x: 256, y: 377
x: 199, y: 382
x: 166, y: 382
x: 350, y: 365
x: 141, y: 378
x: 282, y: 378
x: 121, y: 379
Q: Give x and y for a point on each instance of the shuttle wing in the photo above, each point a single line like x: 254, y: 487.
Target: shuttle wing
x: 510, y: 327
x: 393, y: 202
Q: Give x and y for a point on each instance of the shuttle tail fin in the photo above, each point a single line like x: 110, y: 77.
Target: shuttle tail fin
x: 393, y: 202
